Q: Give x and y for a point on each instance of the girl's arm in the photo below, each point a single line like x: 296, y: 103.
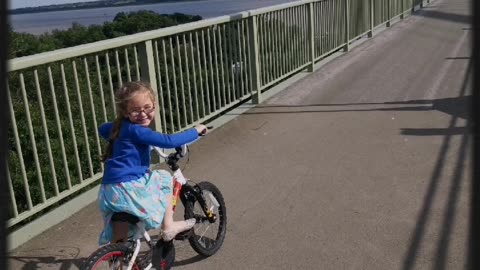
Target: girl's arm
x: 147, y: 136
x: 104, y: 130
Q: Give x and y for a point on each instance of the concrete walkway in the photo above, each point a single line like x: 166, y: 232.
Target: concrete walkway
x: 364, y: 164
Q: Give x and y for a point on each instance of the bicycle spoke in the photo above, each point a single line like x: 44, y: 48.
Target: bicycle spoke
x: 209, y: 232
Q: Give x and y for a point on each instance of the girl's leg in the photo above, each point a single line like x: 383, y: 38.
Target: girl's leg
x: 168, y: 218
x: 120, y: 231
x: 171, y: 228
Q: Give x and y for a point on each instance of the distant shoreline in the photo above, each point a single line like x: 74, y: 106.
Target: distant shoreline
x: 90, y: 5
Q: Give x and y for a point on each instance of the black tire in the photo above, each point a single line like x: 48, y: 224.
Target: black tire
x: 207, y: 237
x: 110, y: 254
x: 163, y: 256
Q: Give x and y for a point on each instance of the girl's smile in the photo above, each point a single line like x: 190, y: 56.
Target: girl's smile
x: 141, y: 109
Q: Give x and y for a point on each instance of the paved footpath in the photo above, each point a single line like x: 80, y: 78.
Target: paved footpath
x: 364, y: 164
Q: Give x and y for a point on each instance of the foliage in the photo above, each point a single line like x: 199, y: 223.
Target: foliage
x: 24, y: 44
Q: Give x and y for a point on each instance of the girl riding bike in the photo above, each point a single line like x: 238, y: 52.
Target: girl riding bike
x: 128, y: 185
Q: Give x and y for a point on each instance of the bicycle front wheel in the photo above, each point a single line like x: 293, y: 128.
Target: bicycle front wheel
x: 207, y: 237
x: 113, y: 256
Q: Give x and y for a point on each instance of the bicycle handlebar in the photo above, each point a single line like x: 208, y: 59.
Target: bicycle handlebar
x: 164, y: 155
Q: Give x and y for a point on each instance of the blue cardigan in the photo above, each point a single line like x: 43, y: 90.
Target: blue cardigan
x: 130, y: 158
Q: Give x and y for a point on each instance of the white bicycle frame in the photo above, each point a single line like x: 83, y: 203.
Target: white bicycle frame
x: 137, y: 237
x: 178, y: 176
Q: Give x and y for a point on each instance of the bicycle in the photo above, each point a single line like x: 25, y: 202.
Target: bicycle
x: 202, y: 201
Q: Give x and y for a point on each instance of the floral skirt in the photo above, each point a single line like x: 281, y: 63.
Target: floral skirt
x: 145, y: 198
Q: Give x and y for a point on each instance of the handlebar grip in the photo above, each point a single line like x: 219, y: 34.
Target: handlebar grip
x: 205, y: 131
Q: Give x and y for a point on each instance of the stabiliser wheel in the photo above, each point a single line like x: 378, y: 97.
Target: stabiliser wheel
x: 207, y: 236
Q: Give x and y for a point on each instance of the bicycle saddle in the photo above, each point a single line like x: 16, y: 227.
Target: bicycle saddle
x: 125, y: 217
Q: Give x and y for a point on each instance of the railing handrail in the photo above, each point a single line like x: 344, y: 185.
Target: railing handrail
x: 85, y: 49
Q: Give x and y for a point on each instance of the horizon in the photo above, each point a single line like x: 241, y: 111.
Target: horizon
x: 16, y: 4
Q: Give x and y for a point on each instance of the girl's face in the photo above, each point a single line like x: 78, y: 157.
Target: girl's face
x: 141, y: 109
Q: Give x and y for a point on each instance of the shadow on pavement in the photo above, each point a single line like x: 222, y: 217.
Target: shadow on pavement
x: 457, y: 108
x: 188, y: 261
x: 64, y: 258
x: 59, y: 261
x: 435, y: 14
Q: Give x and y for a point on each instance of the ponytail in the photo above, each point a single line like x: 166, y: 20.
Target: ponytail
x: 117, y: 124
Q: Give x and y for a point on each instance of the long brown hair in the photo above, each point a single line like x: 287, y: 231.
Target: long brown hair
x: 122, y: 97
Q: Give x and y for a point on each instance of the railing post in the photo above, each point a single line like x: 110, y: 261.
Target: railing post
x: 347, y: 22
x: 413, y: 6
x: 402, y: 8
x: 312, y: 37
x: 370, y: 33
x: 254, y: 60
x: 389, y: 12
x: 147, y: 73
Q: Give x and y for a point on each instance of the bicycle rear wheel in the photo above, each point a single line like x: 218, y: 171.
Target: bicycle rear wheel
x: 207, y: 237
x: 113, y: 256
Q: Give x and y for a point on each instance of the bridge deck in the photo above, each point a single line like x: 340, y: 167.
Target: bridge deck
x: 362, y: 165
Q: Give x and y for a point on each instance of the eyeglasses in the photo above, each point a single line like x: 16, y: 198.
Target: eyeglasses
x: 139, y: 112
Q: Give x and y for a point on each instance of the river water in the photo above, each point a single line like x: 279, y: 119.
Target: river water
x: 38, y: 23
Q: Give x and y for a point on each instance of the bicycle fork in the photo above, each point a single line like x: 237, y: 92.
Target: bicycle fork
x: 198, y: 194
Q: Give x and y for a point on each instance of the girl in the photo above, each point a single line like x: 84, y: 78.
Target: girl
x: 128, y: 185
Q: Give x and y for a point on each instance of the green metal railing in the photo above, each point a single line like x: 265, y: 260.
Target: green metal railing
x: 198, y: 70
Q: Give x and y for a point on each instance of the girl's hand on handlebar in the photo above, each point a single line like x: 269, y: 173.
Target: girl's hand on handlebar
x: 201, y: 130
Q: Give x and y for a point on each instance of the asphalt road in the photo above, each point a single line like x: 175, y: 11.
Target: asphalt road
x: 365, y: 164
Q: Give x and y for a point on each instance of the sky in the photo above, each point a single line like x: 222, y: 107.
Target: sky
x: 35, y: 3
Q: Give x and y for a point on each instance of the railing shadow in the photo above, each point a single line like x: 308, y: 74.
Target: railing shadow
x: 54, y: 261
x: 33, y: 263
x: 435, y: 14
x: 38, y: 262
x: 457, y: 108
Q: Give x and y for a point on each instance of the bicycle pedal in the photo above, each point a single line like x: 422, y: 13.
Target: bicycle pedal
x: 184, y: 235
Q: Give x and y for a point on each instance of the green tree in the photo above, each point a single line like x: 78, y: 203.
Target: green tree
x: 24, y: 44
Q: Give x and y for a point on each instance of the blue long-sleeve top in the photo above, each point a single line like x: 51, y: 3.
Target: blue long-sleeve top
x: 130, y: 157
